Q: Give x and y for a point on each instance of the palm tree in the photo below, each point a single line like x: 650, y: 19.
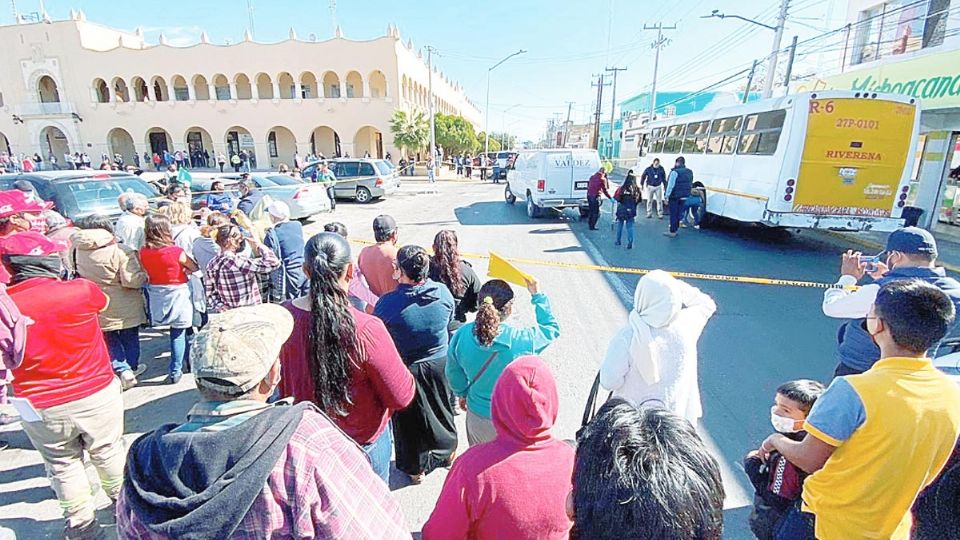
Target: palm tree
x: 411, y: 131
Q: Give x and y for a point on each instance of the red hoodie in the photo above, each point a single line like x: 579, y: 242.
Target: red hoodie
x: 515, y: 486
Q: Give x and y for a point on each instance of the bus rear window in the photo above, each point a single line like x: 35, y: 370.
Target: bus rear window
x: 761, y: 133
x: 723, y: 135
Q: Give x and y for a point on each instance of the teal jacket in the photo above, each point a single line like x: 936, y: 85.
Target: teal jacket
x: 465, y: 355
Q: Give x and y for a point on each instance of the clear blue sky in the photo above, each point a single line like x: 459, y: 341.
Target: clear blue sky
x: 566, y: 41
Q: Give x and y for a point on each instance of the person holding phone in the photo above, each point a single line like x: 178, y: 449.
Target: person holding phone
x: 230, y: 280
x: 911, y: 253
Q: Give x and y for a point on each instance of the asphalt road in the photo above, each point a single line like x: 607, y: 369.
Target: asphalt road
x: 760, y: 336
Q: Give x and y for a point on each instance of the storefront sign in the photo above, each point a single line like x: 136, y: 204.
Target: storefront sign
x: 933, y: 78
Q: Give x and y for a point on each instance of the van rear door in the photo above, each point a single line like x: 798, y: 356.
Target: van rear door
x: 583, y: 164
x: 558, y: 174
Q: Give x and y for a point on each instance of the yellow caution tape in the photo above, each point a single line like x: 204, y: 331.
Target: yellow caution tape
x: 641, y: 271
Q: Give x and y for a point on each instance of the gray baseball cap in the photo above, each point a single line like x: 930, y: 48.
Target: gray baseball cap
x: 237, y: 348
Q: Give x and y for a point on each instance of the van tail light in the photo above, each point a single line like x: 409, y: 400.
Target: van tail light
x: 541, y: 185
x: 299, y: 193
x: 202, y: 203
x: 379, y: 181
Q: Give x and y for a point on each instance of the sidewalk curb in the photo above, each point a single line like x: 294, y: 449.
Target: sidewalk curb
x: 878, y: 247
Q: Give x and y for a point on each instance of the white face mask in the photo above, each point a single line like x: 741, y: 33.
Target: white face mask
x: 782, y: 424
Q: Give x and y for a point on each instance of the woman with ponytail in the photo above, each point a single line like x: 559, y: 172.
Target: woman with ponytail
x: 481, y: 350
x: 417, y: 315
x: 448, y: 268
x: 342, y: 359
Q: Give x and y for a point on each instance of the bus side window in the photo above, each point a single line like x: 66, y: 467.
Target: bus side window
x: 696, y: 140
x: 723, y: 135
x: 761, y: 133
x: 674, y: 139
x: 658, y: 140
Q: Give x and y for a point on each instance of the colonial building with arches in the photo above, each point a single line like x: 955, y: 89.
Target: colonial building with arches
x: 76, y: 86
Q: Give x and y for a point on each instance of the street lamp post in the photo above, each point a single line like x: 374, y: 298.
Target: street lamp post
x: 777, y: 39
x: 486, y: 109
x: 503, y: 115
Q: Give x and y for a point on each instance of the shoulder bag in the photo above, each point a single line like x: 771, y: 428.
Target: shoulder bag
x: 480, y: 373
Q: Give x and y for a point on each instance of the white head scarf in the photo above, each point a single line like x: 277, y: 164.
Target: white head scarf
x: 656, y: 302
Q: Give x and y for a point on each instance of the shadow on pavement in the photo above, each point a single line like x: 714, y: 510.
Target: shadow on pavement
x: 31, y: 495
x: 492, y: 213
x: 29, y: 528
x: 22, y: 473
x: 159, y: 411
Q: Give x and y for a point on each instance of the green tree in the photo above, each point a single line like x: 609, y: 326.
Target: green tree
x: 494, y: 142
x: 455, y: 134
x: 411, y: 131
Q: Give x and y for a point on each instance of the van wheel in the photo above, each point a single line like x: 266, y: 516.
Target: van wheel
x: 508, y: 195
x: 533, y: 211
x: 363, y: 195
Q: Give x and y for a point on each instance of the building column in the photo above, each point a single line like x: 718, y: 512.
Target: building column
x: 930, y: 177
x: 151, y: 93
x: 366, y: 88
x: 113, y: 93
x: 233, y: 90
x: 191, y: 92
x: 171, y: 94
x: 276, y: 89
x: 254, y: 91
x: 212, y: 90
x: 298, y: 90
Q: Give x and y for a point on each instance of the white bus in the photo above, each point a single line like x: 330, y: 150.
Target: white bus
x: 836, y: 160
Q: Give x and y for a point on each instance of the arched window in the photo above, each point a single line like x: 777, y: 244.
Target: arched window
x: 47, y: 88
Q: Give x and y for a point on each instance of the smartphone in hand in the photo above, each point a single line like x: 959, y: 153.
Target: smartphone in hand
x: 870, y: 263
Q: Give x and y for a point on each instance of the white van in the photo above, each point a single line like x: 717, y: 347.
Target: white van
x: 552, y: 179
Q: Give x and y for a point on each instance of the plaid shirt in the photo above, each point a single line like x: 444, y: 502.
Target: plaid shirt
x: 231, y: 280
x: 321, y: 487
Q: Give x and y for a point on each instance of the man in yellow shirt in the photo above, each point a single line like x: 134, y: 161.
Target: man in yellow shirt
x: 876, y: 439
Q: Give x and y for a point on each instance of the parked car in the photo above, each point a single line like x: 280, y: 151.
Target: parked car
x: 504, y: 161
x: 199, y: 187
x: 555, y: 179
x: 304, y: 198
x: 79, y: 193
x: 363, y: 180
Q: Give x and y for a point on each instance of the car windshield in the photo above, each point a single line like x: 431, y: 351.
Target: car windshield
x: 284, y: 180
x: 383, y: 167
x: 100, y: 196
x: 264, y: 182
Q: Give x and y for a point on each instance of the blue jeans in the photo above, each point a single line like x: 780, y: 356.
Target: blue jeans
x: 379, y: 453
x: 695, y: 205
x: 676, y: 213
x: 124, y: 347
x: 795, y: 525
x: 179, y: 349
x: 629, y: 223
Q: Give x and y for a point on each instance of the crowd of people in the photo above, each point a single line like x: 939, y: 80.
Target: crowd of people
x: 315, y: 365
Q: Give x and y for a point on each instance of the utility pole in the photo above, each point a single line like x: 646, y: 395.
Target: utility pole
x: 433, y: 132
x: 566, y: 125
x: 746, y: 93
x: 253, y: 32
x: 596, y: 121
x: 613, y: 105
x: 777, y: 38
x: 658, y: 44
x: 793, y: 55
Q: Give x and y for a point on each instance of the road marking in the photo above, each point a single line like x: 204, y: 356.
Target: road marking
x: 754, y: 280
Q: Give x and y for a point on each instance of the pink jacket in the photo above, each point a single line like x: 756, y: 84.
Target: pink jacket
x: 516, y: 486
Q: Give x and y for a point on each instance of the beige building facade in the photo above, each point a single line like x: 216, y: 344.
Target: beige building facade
x: 76, y: 86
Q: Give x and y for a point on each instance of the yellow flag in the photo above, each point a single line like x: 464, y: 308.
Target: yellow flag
x: 500, y: 268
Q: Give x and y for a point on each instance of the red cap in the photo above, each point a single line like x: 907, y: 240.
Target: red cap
x: 30, y: 243
x: 14, y: 202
